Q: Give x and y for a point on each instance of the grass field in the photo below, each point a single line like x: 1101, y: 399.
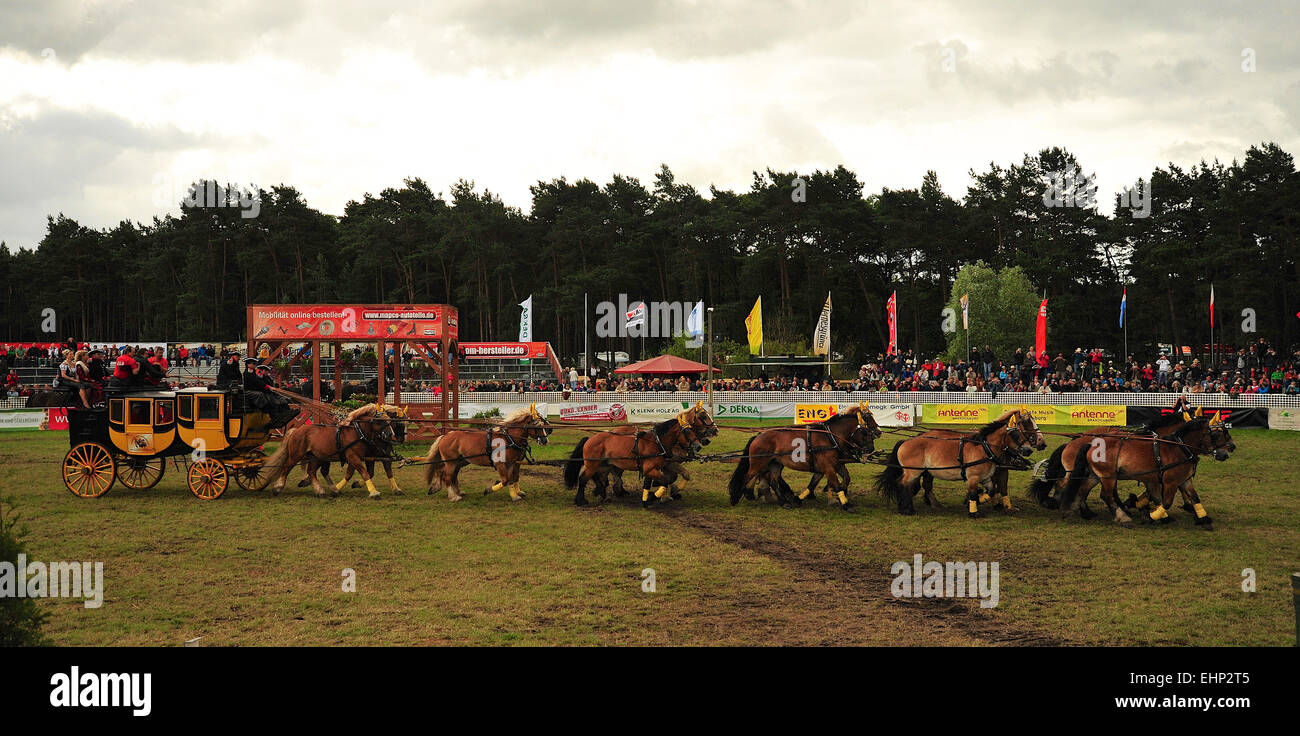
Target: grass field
x: 252, y: 569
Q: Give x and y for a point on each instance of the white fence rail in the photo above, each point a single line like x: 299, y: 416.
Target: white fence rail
x: 871, y: 397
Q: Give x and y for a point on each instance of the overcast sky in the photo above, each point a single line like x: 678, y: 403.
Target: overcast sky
x: 108, y: 108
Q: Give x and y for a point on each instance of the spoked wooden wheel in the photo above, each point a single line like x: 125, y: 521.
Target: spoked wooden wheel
x: 208, y: 479
x: 140, y: 473
x: 250, y: 477
x: 89, y: 470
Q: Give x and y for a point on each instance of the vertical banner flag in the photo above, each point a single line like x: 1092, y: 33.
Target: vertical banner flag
x: 891, y: 309
x: 695, y: 326
x: 754, y: 327
x: 1040, y: 334
x: 822, y: 335
x: 965, y: 311
x: 1211, y: 306
x: 1123, y: 302
x: 526, y: 320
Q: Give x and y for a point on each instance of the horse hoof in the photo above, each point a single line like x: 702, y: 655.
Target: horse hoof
x: 374, y: 497
x: 787, y: 505
x: 580, y: 502
x: 1050, y: 503
x: 454, y: 499
x: 975, y: 514
x: 304, y: 482
x: 850, y: 508
x: 398, y: 492
x: 907, y: 512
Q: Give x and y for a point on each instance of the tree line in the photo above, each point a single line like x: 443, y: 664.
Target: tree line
x: 189, y: 276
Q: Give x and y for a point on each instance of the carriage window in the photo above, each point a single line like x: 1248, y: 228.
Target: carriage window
x: 209, y: 408
x: 163, y: 412
x: 137, y: 412
x: 115, y: 410
x: 186, y: 407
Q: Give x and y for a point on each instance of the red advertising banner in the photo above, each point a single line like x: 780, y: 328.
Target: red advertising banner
x: 353, y: 322
x: 56, y: 419
x: 486, y: 350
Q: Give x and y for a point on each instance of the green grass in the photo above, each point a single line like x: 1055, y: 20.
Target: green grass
x: 252, y: 569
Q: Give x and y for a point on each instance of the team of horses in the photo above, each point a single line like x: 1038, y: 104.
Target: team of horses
x: 1162, y: 456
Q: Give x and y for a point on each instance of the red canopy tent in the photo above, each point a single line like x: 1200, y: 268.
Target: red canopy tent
x: 665, y: 365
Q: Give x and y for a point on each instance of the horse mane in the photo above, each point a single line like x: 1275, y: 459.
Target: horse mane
x: 1163, y: 420
x: 516, y: 417
x: 994, y: 425
x: 364, y: 412
x: 662, y: 428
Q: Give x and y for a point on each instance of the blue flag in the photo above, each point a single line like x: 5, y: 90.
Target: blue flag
x: 1123, y: 302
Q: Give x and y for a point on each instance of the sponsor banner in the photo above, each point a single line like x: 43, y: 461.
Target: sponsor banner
x: 57, y: 419
x: 1043, y: 414
x: 1239, y: 418
x: 655, y: 412
x: 593, y: 411
x: 1097, y: 415
x: 812, y: 413
x: 359, y: 322
x: 488, y: 350
x: 744, y: 411
x: 957, y: 413
x: 1284, y: 417
x: 469, y: 408
x: 887, y: 415
x: 22, y: 419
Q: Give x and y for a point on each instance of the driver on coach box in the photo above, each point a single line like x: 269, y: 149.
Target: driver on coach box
x: 258, y: 396
x: 228, y: 374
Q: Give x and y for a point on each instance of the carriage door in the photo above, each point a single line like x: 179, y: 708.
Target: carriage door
x: 138, y: 432
x: 207, y: 422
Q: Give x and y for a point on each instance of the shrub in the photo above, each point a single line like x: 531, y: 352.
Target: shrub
x: 20, y: 618
x: 493, y: 413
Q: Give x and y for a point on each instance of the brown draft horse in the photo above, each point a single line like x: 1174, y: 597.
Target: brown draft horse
x: 382, y: 449
x: 648, y: 451
x: 980, y: 459
x: 1046, y: 489
x: 1164, y: 464
x: 348, y: 443
x: 503, y: 446
x: 675, y: 473
x: 820, y: 449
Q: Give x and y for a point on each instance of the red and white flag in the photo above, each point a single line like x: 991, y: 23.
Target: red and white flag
x: 1211, y: 306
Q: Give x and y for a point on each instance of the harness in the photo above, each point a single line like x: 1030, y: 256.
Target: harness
x: 525, y: 449
x: 338, y: 439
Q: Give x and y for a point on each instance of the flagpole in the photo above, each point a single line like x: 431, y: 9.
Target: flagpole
x: 586, y: 343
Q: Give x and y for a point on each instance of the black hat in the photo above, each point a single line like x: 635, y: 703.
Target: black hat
x: 250, y: 360
x: 96, y: 350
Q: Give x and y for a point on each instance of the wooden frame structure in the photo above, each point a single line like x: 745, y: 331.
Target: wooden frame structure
x: 431, y: 330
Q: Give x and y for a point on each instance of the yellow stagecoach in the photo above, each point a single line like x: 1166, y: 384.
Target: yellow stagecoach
x: 132, y: 435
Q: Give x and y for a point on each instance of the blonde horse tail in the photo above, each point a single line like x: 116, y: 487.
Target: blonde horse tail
x: 431, y: 462
x: 275, y: 464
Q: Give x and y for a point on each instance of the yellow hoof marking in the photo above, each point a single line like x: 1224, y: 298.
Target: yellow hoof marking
x: 844, y: 498
x: 806, y: 493
x: 984, y: 498
x: 1200, y: 511
x: 645, y: 495
x: 339, y: 486
x: 1159, y: 513
x: 498, y: 486
x: 515, y: 493
x: 680, y: 484
x: 1143, y: 502
x: 973, y: 506
x: 1006, y: 502
x: 661, y: 491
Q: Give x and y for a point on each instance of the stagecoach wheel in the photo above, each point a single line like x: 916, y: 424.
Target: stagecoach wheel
x: 89, y: 470
x: 208, y: 479
x: 250, y: 477
x: 140, y: 473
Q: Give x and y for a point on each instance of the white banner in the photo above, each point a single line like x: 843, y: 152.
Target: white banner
x: 889, y: 415
x: 1284, y: 417
x: 526, y: 320
x: 22, y: 419
x: 469, y: 408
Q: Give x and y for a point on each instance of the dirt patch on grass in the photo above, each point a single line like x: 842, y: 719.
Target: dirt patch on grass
x: 845, y: 602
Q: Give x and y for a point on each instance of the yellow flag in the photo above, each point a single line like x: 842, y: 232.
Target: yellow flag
x: 754, y: 326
